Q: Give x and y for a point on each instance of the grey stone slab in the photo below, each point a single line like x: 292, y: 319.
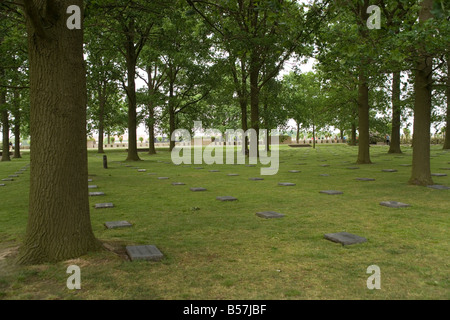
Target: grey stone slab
x: 117, y: 224
x: 331, y: 192
x: 352, y: 168
x: 178, y: 183
x: 438, y: 174
x: 145, y: 252
x: 163, y: 178
x: 92, y: 187
x: 142, y: 170
x: 13, y: 176
x: 197, y: 189
x: 438, y: 187
x: 214, y: 170
x: 324, y: 165
x: 294, y: 171
x: 269, y: 214
x: 8, y: 179
x: 322, y: 160
x: 89, y: 180
x: 226, y: 198
x: 389, y: 170
x: 324, y: 175
x: 2, y: 185
x: 365, y: 179
x: 96, y: 194
x: 104, y: 205
x: 286, y: 184
x: 405, y: 165
x: 232, y: 174
x: 18, y: 172
x: 255, y: 179
x: 345, y: 238
x: 394, y: 204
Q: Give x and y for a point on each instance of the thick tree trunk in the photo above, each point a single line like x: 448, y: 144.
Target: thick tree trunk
x: 172, y: 124
x: 244, y: 123
x: 5, y: 130
x: 447, y: 128
x: 363, y: 120
x: 59, y: 225
x: 297, y: 138
x: 131, y: 93
x: 396, y: 114
x: 421, y: 172
x: 16, y: 126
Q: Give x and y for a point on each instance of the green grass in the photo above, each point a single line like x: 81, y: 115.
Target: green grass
x: 222, y: 250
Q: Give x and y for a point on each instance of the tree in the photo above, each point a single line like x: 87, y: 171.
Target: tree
x: 59, y: 224
x: 447, y: 118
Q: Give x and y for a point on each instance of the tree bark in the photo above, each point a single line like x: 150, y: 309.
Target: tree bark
x: 297, y: 138
x: 151, y: 117
x: 59, y: 225
x: 353, y: 138
x: 101, y: 117
x: 363, y: 120
x: 254, y: 99
x: 172, y: 125
x: 396, y: 114
x: 16, y: 114
x: 131, y: 60
x: 5, y: 130
x: 421, y: 172
x: 447, y: 128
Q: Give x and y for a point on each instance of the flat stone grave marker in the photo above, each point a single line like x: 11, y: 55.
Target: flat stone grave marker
x: 438, y: 187
x: 128, y: 166
x: 331, y: 192
x: 117, y: 224
x: 321, y: 160
x: 438, y: 174
x: 96, y: 194
x: 232, y: 174
x: 104, y: 205
x: 13, y: 176
x: 92, y: 187
x: 178, y: 183
x: 394, y: 204
x: 226, y: 198
x: 324, y: 175
x: 8, y: 179
x: 142, y: 170
x: 324, y: 165
x: 2, y: 185
x: 365, y: 179
x: 146, y: 252
x: 163, y: 178
x: 286, y: 184
x: 214, y: 170
x: 23, y: 169
x: 406, y: 165
x: 345, y: 238
x: 352, y: 168
x: 89, y: 180
x: 294, y: 171
x: 256, y: 179
x: 269, y: 214
x: 197, y: 189
x: 389, y: 170
x: 18, y: 172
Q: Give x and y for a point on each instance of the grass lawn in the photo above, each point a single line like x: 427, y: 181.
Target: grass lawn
x: 222, y: 250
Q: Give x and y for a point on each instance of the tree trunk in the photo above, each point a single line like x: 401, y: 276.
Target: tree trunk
x: 314, y: 136
x: 254, y: 100
x: 244, y: 121
x: 16, y: 125
x: 353, y: 138
x: 447, y: 128
x: 421, y: 172
x: 363, y: 120
x: 5, y: 129
x: 101, y: 117
x: 396, y: 114
x: 341, y: 134
x: 172, y: 125
x: 151, y: 116
x: 131, y: 57
x: 59, y: 225
x: 297, y: 138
